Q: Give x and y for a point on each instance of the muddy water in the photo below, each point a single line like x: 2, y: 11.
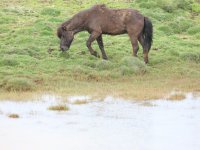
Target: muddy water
x: 111, y: 124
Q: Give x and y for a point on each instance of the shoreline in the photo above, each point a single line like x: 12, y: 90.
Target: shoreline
x: 134, y: 88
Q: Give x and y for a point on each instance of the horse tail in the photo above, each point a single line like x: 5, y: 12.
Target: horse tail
x: 147, y: 34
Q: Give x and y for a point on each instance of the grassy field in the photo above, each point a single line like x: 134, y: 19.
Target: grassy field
x: 28, y: 30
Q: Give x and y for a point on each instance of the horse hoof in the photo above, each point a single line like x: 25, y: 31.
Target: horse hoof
x: 105, y: 58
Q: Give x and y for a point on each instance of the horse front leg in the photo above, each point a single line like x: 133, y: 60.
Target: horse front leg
x: 101, y: 46
x: 92, y: 38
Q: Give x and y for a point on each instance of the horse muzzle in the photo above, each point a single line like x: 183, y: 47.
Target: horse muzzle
x: 64, y: 48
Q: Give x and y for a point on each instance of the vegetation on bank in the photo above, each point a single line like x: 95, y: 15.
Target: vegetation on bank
x: 31, y: 60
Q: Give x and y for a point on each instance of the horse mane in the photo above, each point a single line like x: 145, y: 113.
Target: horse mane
x: 98, y: 6
x: 64, y: 24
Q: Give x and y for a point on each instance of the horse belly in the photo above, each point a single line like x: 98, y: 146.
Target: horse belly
x: 114, y: 29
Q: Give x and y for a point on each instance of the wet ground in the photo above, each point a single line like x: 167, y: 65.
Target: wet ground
x: 109, y: 124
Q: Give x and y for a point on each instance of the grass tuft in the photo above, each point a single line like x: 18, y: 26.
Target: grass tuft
x: 13, y: 116
x: 59, y: 107
x: 133, y: 65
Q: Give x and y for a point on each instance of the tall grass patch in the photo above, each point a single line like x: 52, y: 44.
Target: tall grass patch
x: 17, y: 84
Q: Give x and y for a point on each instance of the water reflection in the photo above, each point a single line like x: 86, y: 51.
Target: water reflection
x: 101, y: 125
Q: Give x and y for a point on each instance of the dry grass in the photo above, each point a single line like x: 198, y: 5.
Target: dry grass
x: 19, y: 96
x: 59, y: 107
x: 13, y: 116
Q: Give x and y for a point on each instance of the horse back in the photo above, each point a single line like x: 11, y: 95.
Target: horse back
x: 112, y: 21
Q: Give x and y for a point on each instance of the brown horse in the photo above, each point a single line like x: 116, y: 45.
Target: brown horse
x: 100, y: 20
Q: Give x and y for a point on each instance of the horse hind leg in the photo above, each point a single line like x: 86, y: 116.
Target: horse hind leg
x: 134, y: 42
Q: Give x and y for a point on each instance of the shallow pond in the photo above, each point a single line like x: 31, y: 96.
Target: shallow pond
x: 109, y: 124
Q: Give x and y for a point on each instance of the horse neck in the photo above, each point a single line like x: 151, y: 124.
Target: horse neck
x: 76, y: 23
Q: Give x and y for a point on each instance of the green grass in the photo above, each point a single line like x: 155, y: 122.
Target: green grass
x: 28, y: 30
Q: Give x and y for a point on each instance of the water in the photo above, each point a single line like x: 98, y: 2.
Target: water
x: 111, y: 124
